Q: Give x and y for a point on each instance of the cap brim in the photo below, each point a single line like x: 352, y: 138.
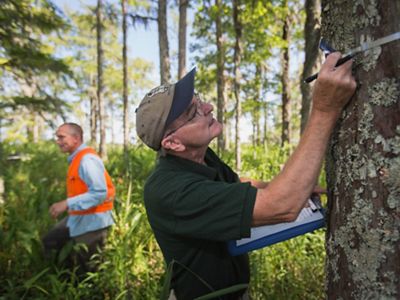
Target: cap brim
x: 183, y: 95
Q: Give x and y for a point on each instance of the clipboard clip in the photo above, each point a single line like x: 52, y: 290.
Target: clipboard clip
x: 315, y: 202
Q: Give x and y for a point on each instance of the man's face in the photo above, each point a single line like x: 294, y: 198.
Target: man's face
x: 196, y: 127
x: 66, y: 140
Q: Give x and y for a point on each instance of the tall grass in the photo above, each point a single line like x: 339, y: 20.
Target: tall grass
x: 130, y: 265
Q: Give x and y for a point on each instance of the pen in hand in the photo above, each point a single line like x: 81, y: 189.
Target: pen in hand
x: 339, y: 62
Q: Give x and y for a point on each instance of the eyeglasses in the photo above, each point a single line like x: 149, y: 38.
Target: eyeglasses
x: 191, y: 112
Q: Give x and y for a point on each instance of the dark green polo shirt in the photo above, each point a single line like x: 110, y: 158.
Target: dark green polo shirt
x: 194, y: 210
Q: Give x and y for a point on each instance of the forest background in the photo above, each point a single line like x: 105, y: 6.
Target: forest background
x: 61, y: 64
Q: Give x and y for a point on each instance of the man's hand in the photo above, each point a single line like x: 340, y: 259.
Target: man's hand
x: 319, y: 190
x: 57, y: 208
x: 334, y: 86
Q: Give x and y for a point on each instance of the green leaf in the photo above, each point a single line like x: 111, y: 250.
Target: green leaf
x: 167, y: 281
x: 3, y: 60
x: 29, y: 283
x: 65, y: 251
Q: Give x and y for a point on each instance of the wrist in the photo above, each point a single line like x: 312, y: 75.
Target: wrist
x: 326, y: 115
x: 321, y: 123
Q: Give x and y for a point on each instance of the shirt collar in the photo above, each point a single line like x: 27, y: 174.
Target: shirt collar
x: 71, y: 157
x: 192, y: 166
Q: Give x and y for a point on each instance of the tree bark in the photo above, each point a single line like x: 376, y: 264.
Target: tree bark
x: 165, y: 74
x: 221, y: 96
x: 312, y: 62
x: 285, y: 136
x: 125, y: 79
x: 236, y: 66
x: 259, y: 100
x: 183, y: 4
x: 265, y: 124
x: 100, y: 87
x: 363, y: 162
x: 93, y: 110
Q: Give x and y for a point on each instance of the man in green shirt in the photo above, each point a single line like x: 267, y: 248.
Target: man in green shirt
x: 195, y: 203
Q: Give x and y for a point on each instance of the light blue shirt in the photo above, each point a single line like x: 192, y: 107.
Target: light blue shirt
x: 91, y: 171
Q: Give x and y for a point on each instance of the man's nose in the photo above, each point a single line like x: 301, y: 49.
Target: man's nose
x: 207, y: 108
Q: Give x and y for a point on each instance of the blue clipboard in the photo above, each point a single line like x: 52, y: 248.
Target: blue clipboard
x: 267, y: 235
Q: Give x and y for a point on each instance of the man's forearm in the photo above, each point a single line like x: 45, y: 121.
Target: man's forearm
x: 288, y: 192
x: 301, y: 172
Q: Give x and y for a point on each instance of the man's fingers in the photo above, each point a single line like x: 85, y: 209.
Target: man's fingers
x: 53, y: 212
x: 346, y: 66
x: 331, y: 61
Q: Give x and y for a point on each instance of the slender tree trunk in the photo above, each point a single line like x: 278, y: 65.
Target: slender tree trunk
x: 312, y: 60
x: 258, y: 108
x: 93, y: 110
x: 183, y: 4
x: 100, y: 87
x: 265, y: 131
x: 125, y: 80
x: 285, y: 137
x: 111, y: 110
x: 236, y: 67
x: 29, y: 89
x: 221, y: 96
x: 37, y: 128
x: 165, y: 74
x: 363, y: 161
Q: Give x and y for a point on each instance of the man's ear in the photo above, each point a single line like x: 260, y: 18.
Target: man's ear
x: 173, y: 143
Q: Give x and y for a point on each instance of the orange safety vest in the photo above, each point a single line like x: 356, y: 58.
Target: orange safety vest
x: 76, y: 186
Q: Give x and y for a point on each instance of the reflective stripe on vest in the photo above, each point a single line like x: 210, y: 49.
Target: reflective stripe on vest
x: 76, y: 186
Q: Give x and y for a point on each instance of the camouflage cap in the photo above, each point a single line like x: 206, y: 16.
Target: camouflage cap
x: 160, y: 107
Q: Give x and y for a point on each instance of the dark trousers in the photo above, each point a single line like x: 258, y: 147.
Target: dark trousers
x: 58, y: 237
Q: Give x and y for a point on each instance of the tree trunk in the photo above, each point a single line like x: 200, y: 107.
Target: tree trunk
x: 29, y: 89
x: 99, y: 26
x: 265, y: 131
x: 259, y: 100
x: 125, y: 80
x: 221, y: 97
x: 285, y: 137
x: 93, y: 111
x: 363, y: 163
x: 236, y: 66
x: 163, y: 42
x: 312, y: 62
x: 183, y: 4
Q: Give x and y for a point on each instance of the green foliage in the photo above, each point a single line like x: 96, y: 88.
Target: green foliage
x: 27, y: 62
x: 264, y: 162
x: 293, y: 269
x: 131, y: 265
x: 21, y: 23
x: 34, y: 176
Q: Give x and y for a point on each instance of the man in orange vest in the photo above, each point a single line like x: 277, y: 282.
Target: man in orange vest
x: 89, y: 202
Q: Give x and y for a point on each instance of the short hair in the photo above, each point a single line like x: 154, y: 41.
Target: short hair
x: 75, y: 129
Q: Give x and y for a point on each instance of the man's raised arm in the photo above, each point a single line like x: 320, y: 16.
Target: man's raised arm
x: 286, y: 194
